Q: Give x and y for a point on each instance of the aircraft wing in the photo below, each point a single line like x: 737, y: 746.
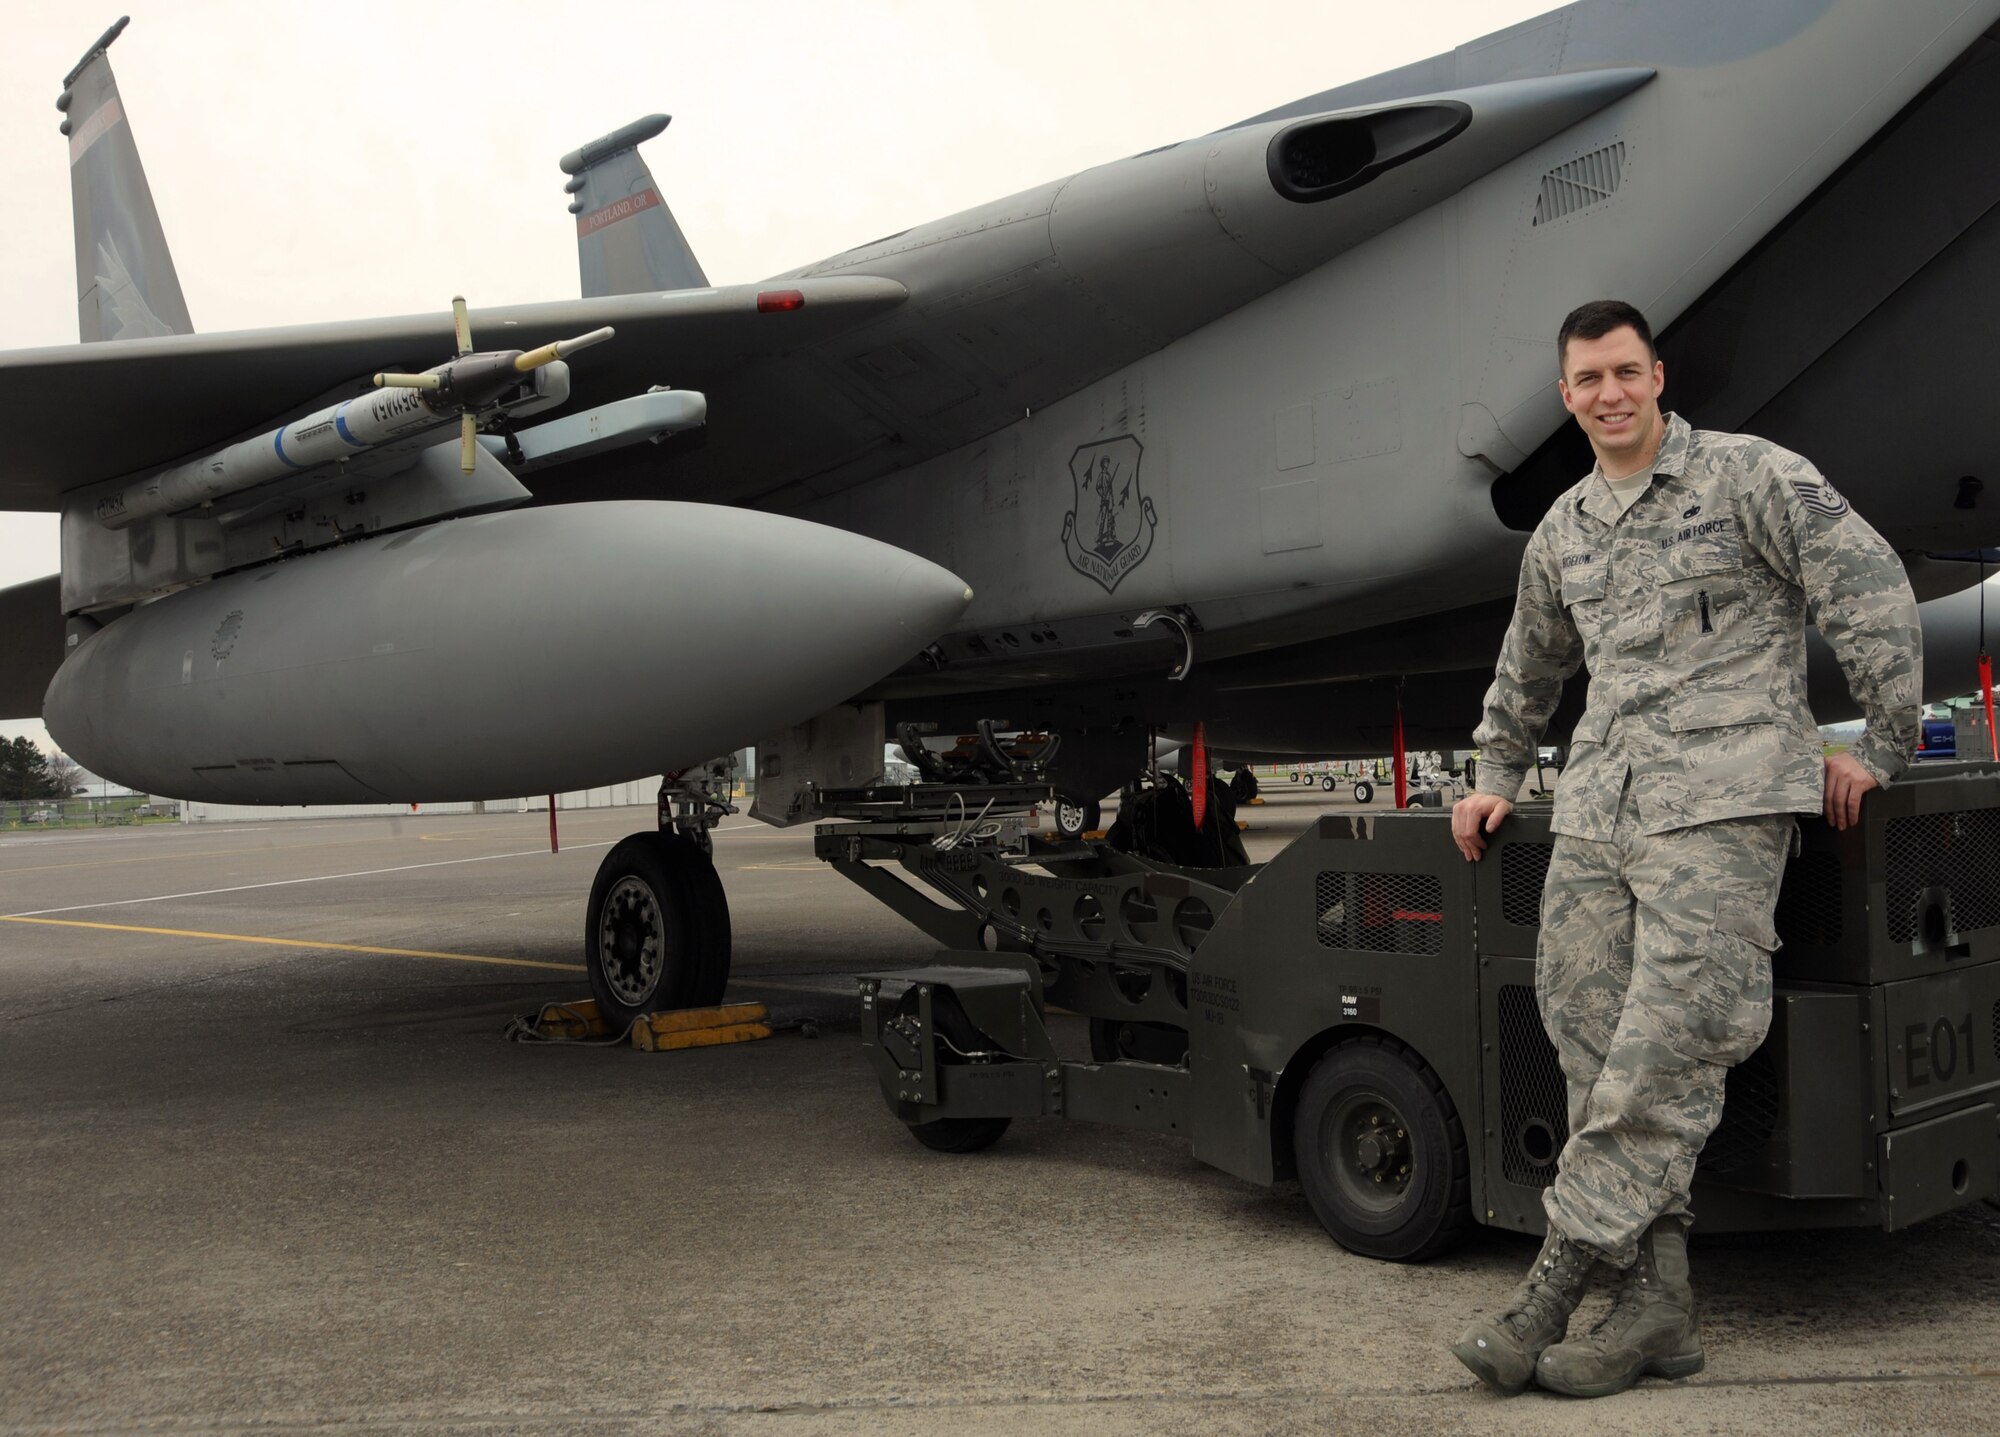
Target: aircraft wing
x: 78, y: 414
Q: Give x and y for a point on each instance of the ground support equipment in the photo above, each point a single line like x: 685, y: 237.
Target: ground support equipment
x: 1359, y: 1013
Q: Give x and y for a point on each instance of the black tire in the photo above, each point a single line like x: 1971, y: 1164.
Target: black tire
x: 959, y: 1135
x: 952, y: 1135
x: 1295, y: 776
x: 1364, y: 792
x: 1112, y: 1039
x: 708, y: 915
x: 1381, y: 1153
x: 640, y: 933
x: 1243, y: 785
x: 1076, y: 817
x: 1328, y: 783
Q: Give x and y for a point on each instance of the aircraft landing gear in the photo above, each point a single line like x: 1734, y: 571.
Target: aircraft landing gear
x: 1076, y: 817
x: 657, y: 931
x: 656, y: 936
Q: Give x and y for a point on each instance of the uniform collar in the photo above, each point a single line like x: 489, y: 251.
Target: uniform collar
x: 1596, y: 498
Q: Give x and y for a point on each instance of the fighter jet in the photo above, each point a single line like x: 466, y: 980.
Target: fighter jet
x: 1247, y: 429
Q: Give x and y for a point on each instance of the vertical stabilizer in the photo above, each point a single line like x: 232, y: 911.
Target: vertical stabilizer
x: 125, y: 282
x: 626, y: 239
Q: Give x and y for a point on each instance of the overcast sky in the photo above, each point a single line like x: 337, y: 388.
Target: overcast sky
x: 323, y: 161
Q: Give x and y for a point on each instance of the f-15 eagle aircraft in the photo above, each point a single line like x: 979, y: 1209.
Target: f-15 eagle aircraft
x: 1247, y: 429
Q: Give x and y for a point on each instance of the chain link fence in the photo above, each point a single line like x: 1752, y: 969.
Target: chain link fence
x: 86, y: 812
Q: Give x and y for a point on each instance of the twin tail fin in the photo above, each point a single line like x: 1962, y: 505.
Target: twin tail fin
x: 627, y: 241
x: 126, y: 286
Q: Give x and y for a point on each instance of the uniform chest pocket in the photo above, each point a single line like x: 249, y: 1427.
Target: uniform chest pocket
x: 1699, y: 574
x: 1697, y: 553
x: 1583, y: 584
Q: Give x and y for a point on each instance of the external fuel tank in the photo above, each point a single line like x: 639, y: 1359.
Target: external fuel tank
x: 526, y: 652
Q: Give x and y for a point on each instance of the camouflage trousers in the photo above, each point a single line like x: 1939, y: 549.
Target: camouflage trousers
x: 1654, y: 978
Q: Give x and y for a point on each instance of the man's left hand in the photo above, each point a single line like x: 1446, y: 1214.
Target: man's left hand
x: 1846, y: 781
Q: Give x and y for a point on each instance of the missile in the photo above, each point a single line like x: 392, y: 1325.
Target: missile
x: 531, y: 651
x: 405, y: 407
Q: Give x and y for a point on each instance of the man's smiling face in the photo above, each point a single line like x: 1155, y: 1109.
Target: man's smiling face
x: 1612, y: 385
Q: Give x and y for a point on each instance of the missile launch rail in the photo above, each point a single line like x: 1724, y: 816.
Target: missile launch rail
x: 1359, y: 1012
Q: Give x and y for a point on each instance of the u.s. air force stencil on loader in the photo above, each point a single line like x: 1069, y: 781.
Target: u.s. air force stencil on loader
x: 1109, y: 530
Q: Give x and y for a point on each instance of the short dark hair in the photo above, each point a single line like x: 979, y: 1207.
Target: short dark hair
x: 1597, y: 319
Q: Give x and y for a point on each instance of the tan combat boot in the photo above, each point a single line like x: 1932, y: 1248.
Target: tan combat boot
x: 1651, y: 1327
x: 1502, y: 1349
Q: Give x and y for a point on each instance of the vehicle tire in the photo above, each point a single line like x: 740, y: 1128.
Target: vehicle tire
x: 640, y: 934
x: 1381, y: 1153
x: 1113, y: 1039
x: 952, y: 1134
x: 708, y: 918
x: 1364, y: 792
x: 1328, y: 783
x: 959, y: 1135
x: 1295, y: 776
x: 1076, y: 817
x: 1243, y: 785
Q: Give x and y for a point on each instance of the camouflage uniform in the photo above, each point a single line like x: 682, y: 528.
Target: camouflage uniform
x: 1654, y: 971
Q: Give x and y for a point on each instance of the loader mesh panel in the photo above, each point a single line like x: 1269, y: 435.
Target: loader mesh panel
x: 1809, y: 901
x: 1379, y: 912
x: 1534, y: 1121
x: 1957, y: 854
x: 1996, y: 1028
x: 1749, y: 1115
x: 1524, y: 867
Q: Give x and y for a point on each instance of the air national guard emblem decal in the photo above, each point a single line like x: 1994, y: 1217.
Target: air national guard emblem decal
x: 1110, y: 530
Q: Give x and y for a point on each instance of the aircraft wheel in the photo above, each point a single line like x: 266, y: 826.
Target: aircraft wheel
x: 1364, y: 792
x: 959, y: 1135
x: 708, y: 913
x: 641, y: 948
x: 1112, y: 1039
x: 1074, y: 817
x: 1381, y: 1153
x: 1327, y: 783
x: 952, y: 1135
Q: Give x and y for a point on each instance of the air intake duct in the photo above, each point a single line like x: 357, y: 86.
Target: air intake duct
x: 1319, y: 158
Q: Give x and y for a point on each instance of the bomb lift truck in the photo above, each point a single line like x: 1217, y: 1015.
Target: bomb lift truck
x: 1359, y: 1012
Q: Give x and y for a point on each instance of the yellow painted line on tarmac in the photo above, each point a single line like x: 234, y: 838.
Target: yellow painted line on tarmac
x: 301, y: 943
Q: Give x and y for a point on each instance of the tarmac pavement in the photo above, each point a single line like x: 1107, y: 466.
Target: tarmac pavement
x: 270, y: 1166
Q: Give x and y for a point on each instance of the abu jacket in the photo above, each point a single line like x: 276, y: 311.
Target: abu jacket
x: 1690, y: 611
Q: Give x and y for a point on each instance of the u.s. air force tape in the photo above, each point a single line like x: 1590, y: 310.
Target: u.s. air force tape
x: 1820, y: 497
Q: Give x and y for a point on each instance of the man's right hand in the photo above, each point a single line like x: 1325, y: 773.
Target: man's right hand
x: 1472, y: 818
